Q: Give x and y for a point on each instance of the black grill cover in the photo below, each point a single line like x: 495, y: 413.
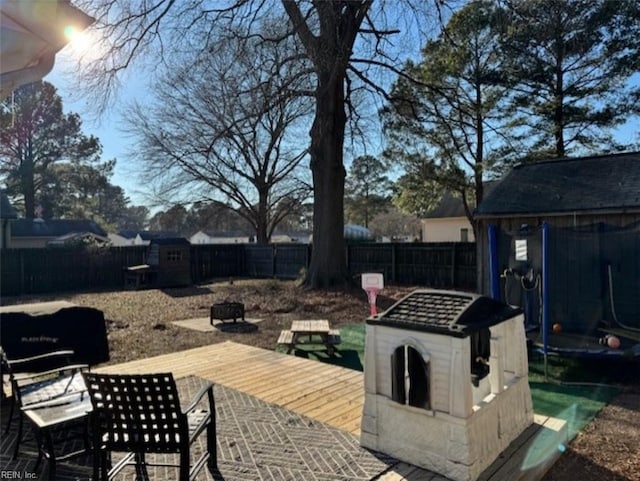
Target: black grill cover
x: 32, y: 329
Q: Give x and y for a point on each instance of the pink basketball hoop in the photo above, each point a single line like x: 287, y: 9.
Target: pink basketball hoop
x: 372, y: 294
x: 372, y: 283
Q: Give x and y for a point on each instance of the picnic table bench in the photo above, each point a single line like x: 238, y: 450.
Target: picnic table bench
x: 308, y: 332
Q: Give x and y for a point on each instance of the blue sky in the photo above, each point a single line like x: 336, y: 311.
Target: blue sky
x: 116, y: 144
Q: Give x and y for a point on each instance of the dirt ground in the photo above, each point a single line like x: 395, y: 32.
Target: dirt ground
x: 140, y: 325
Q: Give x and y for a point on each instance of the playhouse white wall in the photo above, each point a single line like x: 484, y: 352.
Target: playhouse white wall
x: 467, y: 427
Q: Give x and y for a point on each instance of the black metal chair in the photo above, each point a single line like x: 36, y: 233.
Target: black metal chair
x: 40, y: 379
x: 141, y: 414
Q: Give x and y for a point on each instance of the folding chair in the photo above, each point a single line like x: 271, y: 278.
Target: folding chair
x: 141, y: 414
x: 40, y: 379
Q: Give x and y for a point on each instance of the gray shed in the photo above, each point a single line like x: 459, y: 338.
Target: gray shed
x: 590, y: 207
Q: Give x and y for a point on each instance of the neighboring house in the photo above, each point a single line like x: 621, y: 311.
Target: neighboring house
x: 357, y: 232
x: 448, y: 221
x: 79, y: 238
x: 7, y: 217
x: 118, y: 240
x: 37, y: 233
x: 213, y: 237
x: 301, y: 237
x: 140, y: 237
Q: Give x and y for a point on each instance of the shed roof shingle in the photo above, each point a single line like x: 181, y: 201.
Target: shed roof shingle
x: 598, y: 183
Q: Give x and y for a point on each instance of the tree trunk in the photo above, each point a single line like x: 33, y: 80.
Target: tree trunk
x: 262, y: 220
x: 328, y: 259
x: 27, y: 184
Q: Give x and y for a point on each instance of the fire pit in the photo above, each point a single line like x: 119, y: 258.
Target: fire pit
x: 224, y: 311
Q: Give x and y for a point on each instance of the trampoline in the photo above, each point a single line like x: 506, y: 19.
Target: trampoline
x: 584, y: 279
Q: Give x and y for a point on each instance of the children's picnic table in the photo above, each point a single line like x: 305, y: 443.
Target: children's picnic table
x: 311, y: 331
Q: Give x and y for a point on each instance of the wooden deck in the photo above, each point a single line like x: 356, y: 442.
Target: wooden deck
x: 330, y: 394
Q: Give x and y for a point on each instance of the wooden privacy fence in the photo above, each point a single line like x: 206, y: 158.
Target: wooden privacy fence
x: 37, y: 271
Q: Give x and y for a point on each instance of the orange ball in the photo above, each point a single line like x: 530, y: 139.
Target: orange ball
x: 613, y: 342
x: 557, y: 327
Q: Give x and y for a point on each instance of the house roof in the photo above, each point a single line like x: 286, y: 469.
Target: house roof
x: 165, y: 241
x: 76, y: 236
x: 225, y: 234
x: 53, y: 227
x: 452, y: 206
x: 6, y: 209
x: 148, y: 234
x: 584, y: 184
x: 449, y: 206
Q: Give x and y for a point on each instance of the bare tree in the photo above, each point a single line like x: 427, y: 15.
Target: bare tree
x: 225, y: 128
x: 330, y: 33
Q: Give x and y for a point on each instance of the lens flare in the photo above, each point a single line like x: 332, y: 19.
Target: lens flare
x: 70, y: 32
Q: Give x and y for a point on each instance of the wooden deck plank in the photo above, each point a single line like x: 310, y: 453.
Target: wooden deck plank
x: 330, y: 394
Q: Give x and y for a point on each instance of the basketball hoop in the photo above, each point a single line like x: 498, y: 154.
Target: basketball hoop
x: 372, y: 294
x: 372, y: 283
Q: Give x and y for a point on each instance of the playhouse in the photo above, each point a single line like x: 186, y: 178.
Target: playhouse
x: 446, y: 381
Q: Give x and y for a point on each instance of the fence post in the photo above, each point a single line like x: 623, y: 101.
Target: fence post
x: 23, y: 282
x: 394, y: 259
x: 274, y: 253
x: 454, y: 266
x: 347, y: 252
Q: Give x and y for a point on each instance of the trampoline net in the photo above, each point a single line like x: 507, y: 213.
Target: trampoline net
x: 593, y: 275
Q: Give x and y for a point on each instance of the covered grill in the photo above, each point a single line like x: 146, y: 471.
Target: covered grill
x: 446, y: 381
x: 32, y: 329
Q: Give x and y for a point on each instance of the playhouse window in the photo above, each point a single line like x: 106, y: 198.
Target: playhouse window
x: 174, y: 255
x: 409, y: 377
x: 480, y: 353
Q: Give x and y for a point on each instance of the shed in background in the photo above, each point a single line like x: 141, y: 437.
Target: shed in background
x: 168, y: 265
x: 584, y: 214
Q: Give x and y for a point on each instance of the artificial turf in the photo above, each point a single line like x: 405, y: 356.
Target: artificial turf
x: 573, y: 390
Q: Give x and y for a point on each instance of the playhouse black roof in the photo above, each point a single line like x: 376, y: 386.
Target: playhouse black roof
x: 148, y: 235
x: 450, y: 313
x: 599, y: 183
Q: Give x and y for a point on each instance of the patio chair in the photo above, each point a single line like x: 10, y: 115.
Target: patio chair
x: 141, y: 414
x: 39, y: 379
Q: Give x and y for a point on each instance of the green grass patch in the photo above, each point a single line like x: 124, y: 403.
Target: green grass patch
x: 574, y: 391
x: 349, y: 354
